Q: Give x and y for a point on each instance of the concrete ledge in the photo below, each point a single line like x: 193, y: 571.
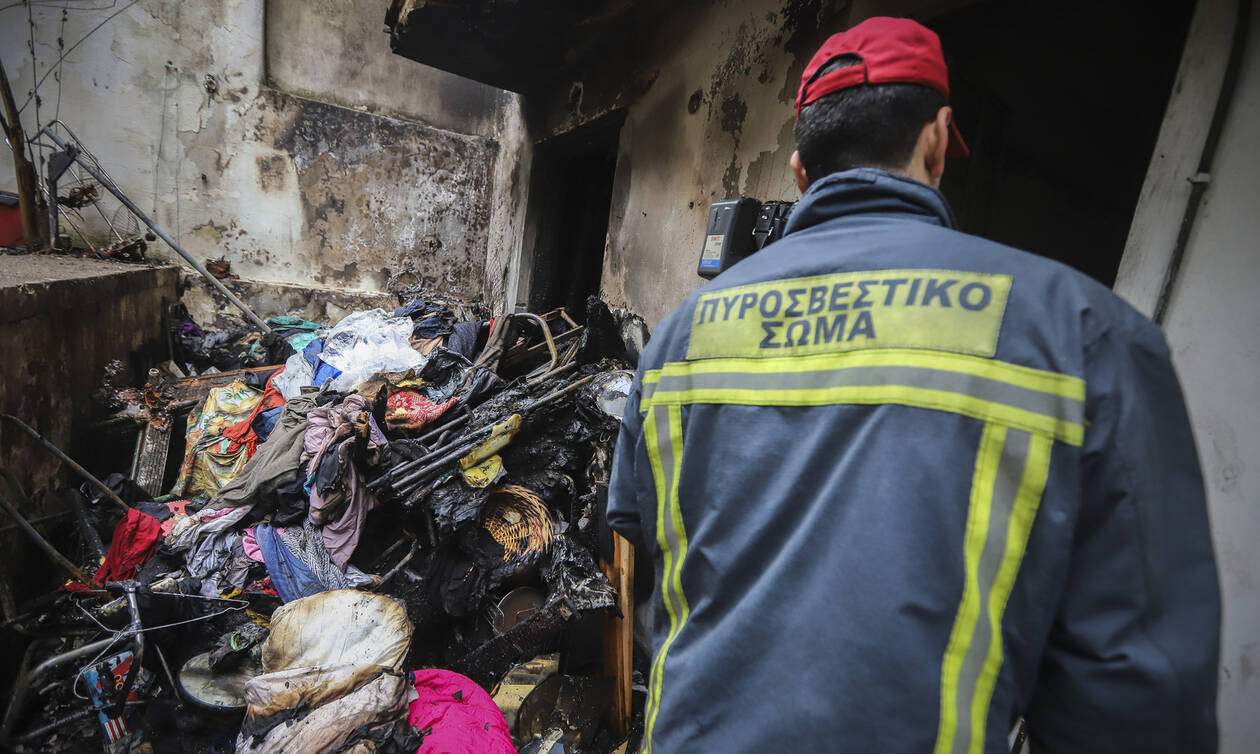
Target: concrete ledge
x: 62, y: 319
x: 33, y: 285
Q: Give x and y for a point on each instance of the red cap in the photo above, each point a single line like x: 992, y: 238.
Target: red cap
x: 892, y: 50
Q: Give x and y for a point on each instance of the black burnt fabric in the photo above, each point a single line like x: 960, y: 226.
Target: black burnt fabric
x: 463, y: 340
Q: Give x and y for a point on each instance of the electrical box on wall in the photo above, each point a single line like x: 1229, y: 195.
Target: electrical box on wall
x: 737, y: 228
x: 728, y: 236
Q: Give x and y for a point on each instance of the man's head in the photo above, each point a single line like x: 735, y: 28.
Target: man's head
x: 875, y: 96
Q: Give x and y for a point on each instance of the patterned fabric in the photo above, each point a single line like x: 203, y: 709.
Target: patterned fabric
x: 211, y: 460
x: 408, y: 409
x: 307, y: 544
x: 242, y: 432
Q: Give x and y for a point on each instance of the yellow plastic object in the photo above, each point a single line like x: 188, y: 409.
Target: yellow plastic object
x: 485, y: 473
x: 500, y: 436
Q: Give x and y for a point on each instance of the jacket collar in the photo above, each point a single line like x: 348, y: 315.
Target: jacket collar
x: 869, y: 190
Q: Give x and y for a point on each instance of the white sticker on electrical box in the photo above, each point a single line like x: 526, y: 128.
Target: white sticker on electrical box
x: 712, y: 255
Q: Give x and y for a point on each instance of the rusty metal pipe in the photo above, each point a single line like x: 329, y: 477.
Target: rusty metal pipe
x: 389, y: 480
x: 24, y: 683
x: 546, y: 332
x: 553, y: 373
x: 137, y: 651
x: 130, y: 205
x: 98, y: 484
x: 459, y: 451
x: 90, y: 537
x: 37, y: 521
x: 43, y: 544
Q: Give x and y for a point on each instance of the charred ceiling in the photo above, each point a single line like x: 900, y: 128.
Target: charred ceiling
x: 526, y: 46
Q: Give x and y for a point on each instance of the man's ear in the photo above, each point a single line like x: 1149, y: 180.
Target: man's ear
x: 937, y: 133
x: 798, y: 170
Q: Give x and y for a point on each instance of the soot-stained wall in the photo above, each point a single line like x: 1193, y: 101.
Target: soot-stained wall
x: 249, y: 131
x: 709, y: 115
x: 341, y: 198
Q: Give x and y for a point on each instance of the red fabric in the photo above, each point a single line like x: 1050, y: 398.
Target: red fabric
x: 263, y: 586
x: 134, y: 539
x: 407, y: 409
x: 242, y: 432
x: 892, y: 50
x: 177, y: 508
x: 461, y: 716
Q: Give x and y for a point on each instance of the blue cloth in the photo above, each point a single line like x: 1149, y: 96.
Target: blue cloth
x: 265, y: 422
x: 289, y: 575
x: 852, y: 500
x: 323, y: 372
x: 312, y: 351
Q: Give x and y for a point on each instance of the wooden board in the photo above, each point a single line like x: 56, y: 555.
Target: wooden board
x: 619, y: 635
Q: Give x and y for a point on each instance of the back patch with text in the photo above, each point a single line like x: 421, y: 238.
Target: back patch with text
x: 943, y: 310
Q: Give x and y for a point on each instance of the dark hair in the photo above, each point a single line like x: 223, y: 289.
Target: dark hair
x: 868, y: 125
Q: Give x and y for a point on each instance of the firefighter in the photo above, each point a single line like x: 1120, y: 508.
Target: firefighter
x: 903, y: 486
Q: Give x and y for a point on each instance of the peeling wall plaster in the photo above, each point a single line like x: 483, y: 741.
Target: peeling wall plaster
x: 341, y: 198
x: 375, y: 167
x: 683, y: 152
x: 708, y: 117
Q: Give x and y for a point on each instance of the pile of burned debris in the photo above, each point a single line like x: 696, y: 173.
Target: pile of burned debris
x: 382, y: 535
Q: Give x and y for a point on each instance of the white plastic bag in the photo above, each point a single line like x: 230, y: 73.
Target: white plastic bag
x: 368, y: 343
x: 297, y: 373
x: 341, y: 626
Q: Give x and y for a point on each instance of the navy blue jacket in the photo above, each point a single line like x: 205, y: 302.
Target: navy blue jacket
x: 902, y: 485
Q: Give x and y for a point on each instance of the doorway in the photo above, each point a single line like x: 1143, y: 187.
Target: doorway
x: 570, y: 198
x: 1061, y: 104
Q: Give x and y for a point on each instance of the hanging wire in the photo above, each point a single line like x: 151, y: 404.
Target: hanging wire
x: 30, y: 28
x: 71, y: 49
x: 235, y: 606
x: 61, y: 47
x: 131, y: 629
x: 119, y: 216
x: 74, y: 687
x: 60, y: 6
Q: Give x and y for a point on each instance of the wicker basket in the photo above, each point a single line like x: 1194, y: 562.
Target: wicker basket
x: 519, y: 521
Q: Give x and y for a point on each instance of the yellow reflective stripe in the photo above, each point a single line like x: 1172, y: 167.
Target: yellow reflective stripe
x: 651, y: 440
x: 983, y: 478
x: 1034, y: 400
x: 1026, y: 377
x: 665, y: 455
x: 1071, y: 433
x: 1010, y: 476
x: 1031, y: 487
